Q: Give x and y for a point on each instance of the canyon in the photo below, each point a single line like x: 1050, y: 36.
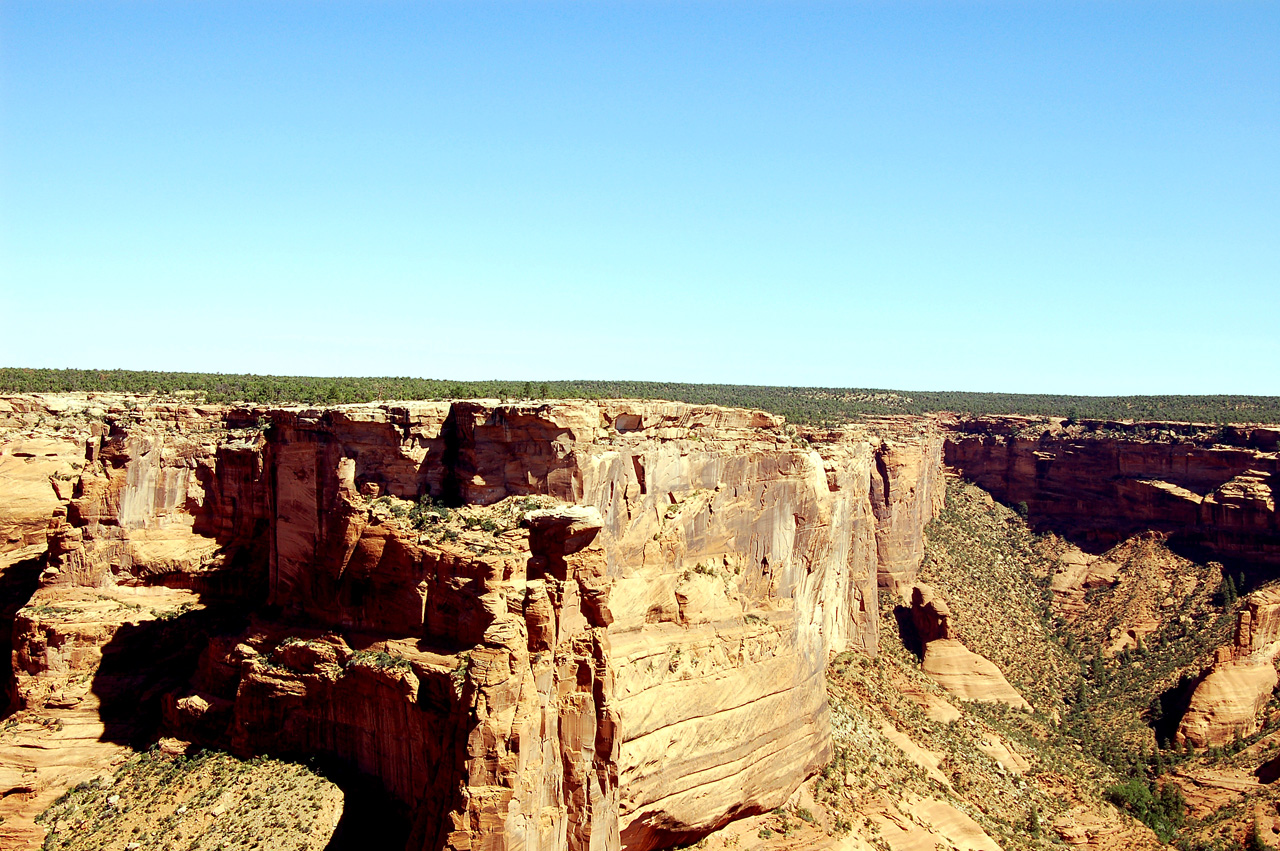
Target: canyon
x: 1211, y: 489
x: 580, y: 624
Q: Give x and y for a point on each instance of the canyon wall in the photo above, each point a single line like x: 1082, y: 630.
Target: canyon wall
x: 587, y: 625
x: 637, y: 662
x: 735, y: 559
x: 1211, y: 491
x: 1098, y: 483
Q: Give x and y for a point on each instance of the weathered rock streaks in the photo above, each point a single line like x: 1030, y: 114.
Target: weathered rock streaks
x: 634, y: 668
x: 1226, y: 702
x: 637, y: 662
x: 1098, y: 488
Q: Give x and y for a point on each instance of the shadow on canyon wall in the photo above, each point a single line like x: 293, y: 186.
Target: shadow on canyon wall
x: 1172, y: 705
x: 18, y: 582
x: 144, y: 662
x: 372, y: 820
x: 907, y: 631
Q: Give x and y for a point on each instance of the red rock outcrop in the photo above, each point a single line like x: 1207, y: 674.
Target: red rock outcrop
x: 948, y: 662
x: 1099, y: 483
x: 182, y: 503
x: 931, y: 614
x: 736, y: 560
x: 1226, y: 703
x: 511, y: 741
x: 1078, y: 573
x: 632, y: 672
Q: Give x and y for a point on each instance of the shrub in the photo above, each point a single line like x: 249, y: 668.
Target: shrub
x: 1162, y: 810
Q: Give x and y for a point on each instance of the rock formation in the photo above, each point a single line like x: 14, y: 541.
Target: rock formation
x: 1226, y: 702
x: 948, y: 662
x: 905, y: 495
x: 1078, y: 573
x: 637, y: 663
x: 587, y: 624
x: 1099, y: 483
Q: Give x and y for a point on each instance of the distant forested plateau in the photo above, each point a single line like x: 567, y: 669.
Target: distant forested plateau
x: 806, y: 405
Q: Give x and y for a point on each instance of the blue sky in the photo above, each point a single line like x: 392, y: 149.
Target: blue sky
x: 1037, y: 197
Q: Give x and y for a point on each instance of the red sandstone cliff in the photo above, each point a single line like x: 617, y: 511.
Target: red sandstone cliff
x: 1229, y: 696
x: 734, y: 561
x: 1097, y: 483
x: 634, y: 671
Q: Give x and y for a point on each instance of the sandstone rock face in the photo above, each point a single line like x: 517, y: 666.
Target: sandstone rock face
x: 948, y: 662
x: 734, y: 561
x: 1099, y: 488
x: 512, y: 740
x: 180, y: 505
x: 968, y: 675
x: 1078, y: 573
x: 1258, y: 623
x: 35, y: 479
x: 906, y: 493
x: 1228, y: 699
x: 1227, y: 702
x: 632, y: 668
x: 931, y: 614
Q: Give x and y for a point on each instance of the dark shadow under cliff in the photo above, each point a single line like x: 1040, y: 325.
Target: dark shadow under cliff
x: 372, y: 820
x: 18, y: 581
x: 144, y: 662
x: 907, y: 632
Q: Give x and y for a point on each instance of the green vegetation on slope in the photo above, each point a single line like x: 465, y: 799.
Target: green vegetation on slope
x: 1100, y: 722
x: 207, y: 802
x: 797, y: 404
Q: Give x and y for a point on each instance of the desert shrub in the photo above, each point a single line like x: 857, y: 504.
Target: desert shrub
x: 1163, y: 810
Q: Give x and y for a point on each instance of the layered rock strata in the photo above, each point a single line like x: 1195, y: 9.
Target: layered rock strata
x: 1098, y: 483
x: 1226, y: 702
x: 633, y: 668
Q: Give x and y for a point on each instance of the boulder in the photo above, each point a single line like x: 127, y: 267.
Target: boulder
x: 968, y: 675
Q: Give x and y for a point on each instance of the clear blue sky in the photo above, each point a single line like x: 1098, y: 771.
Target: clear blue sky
x: 1057, y: 197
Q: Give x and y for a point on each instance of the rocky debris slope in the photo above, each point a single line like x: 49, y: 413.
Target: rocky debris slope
x: 203, y: 803
x: 1233, y: 798
x: 1079, y: 573
x: 993, y: 571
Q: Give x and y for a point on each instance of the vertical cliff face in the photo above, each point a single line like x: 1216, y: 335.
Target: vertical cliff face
x: 177, y: 497
x: 510, y: 741
x: 906, y: 493
x: 1098, y: 486
x: 733, y: 559
x: 637, y: 663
